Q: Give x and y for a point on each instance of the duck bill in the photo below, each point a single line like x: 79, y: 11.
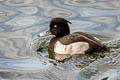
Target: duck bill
x: 45, y: 33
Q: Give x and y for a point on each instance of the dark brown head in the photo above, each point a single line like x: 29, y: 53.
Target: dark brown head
x: 59, y: 27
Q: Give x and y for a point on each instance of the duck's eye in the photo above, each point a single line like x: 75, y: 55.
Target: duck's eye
x: 55, y: 26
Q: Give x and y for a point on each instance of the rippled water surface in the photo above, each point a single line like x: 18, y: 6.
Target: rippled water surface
x: 22, y: 20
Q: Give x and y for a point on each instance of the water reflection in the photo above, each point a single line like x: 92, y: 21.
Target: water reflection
x: 18, y: 2
x: 80, y: 2
x: 90, y: 12
x: 29, y: 10
x: 22, y: 20
x: 26, y: 64
x: 13, y: 47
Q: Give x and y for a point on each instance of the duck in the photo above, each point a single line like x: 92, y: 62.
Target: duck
x: 76, y: 43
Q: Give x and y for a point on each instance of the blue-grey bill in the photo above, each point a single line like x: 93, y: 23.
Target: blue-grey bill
x: 45, y: 33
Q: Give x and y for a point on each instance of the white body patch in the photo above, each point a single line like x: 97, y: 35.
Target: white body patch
x: 97, y: 39
x: 74, y: 48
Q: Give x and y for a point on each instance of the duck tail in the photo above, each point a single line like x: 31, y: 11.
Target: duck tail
x: 104, y: 49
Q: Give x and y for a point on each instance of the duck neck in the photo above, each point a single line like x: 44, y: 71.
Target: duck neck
x: 59, y: 36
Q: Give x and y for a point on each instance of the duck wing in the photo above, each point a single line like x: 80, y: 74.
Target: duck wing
x: 80, y: 37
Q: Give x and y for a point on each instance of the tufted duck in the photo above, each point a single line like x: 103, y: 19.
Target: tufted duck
x: 75, y: 43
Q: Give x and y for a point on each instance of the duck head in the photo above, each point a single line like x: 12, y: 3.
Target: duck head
x: 59, y: 27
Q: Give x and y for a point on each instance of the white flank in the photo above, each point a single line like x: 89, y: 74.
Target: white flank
x: 74, y: 48
x: 97, y: 39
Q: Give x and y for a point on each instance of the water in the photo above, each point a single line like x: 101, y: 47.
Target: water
x: 22, y: 20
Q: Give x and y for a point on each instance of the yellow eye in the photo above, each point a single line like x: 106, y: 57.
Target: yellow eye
x: 55, y: 26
